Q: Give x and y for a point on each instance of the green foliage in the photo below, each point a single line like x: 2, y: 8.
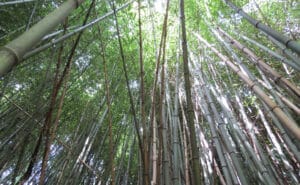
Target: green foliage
x: 30, y: 84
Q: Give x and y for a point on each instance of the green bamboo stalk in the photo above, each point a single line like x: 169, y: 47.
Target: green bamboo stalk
x: 145, y: 169
x: 131, y: 100
x: 197, y: 173
x: 12, y: 53
x: 175, y: 122
x: 238, y: 135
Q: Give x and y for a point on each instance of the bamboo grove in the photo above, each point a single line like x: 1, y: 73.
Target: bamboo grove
x: 149, y: 92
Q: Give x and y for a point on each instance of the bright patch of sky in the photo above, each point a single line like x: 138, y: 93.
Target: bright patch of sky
x: 159, y: 6
x: 251, y: 6
x: 18, y: 87
x: 83, y: 61
x: 134, y: 84
x: 91, y: 91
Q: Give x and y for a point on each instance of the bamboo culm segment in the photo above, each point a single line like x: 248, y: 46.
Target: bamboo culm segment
x: 12, y: 53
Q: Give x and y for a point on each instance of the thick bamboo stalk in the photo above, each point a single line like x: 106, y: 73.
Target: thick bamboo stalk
x: 145, y: 169
x: 197, y: 173
x: 75, y: 31
x: 12, y: 53
x: 175, y: 144
x: 293, y: 45
x: 288, y: 123
x: 284, y: 49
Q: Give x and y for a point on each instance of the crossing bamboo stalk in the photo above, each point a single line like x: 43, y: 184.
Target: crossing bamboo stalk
x: 12, y: 53
x: 261, y: 64
x: 288, y: 123
x: 293, y: 45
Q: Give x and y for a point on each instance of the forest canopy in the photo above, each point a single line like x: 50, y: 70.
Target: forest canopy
x: 149, y: 92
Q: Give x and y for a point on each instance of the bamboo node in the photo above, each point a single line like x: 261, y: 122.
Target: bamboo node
x: 276, y: 80
x: 251, y: 85
x: 286, y: 43
x: 257, y: 23
x: 238, y: 70
x: 274, y: 107
x: 239, y: 9
x: 221, y: 123
x: 76, y: 4
x: 13, y: 52
x: 264, y: 172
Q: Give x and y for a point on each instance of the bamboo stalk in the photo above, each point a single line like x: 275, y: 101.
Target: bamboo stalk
x: 75, y: 31
x: 262, y: 65
x: 196, y: 163
x: 288, y: 123
x: 295, y: 66
x: 15, y: 2
x: 293, y: 45
x: 12, y: 53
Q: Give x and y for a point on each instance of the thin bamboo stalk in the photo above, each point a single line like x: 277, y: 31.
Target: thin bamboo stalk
x: 155, y: 151
x: 295, y: 66
x: 133, y: 112
x: 108, y: 103
x: 15, y: 2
